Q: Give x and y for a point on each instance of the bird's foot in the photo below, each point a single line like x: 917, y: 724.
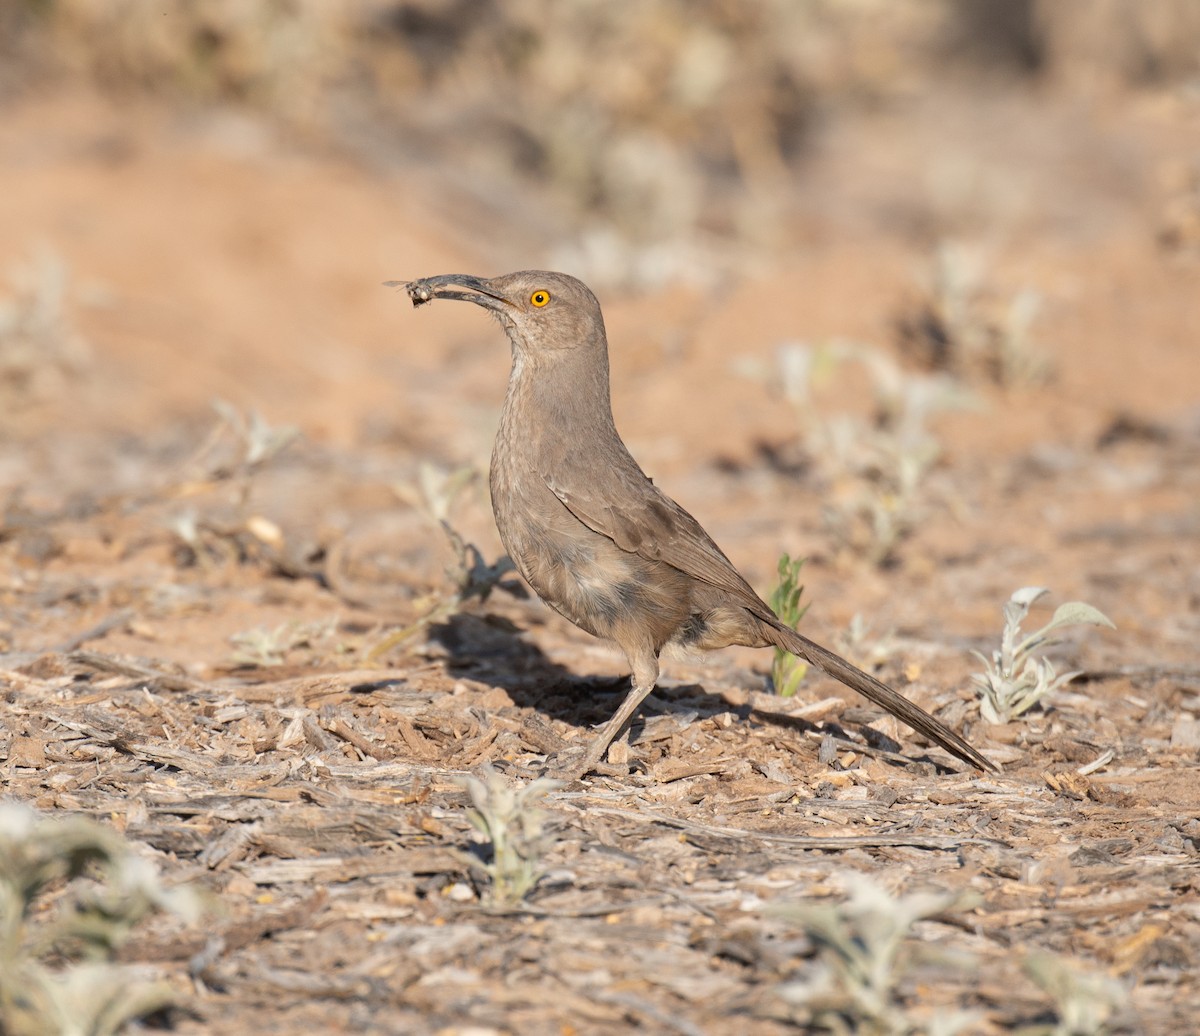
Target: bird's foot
x: 577, y: 761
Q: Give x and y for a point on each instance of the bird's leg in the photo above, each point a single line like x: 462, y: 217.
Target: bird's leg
x: 645, y: 674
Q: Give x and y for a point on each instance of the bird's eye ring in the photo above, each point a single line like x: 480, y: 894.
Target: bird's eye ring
x: 540, y: 297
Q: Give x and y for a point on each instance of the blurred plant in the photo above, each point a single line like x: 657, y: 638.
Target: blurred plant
x: 237, y: 449
x: 700, y: 135
x: 787, y: 671
x: 1016, y: 357
x: 268, y: 647
x: 876, y: 468
x: 285, y: 57
x: 858, y: 644
x: 1013, y: 680
x: 710, y: 114
x: 471, y: 577
x: 516, y: 832
x: 435, y: 491
x: 963, y: 328
x: 257, y: 442
x: 1179, y: 227
x: 863, y: 952
x: 1084, y: 1001
x: 38, y: 344
x: 202, y: 541
x: 82, y: 992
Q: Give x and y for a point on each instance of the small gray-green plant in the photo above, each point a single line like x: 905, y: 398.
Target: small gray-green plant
x: 38, y: 344
x: 968, y: 328
x: 471, y: 577
x: 868, y: 649
x: 876, y: 468
x: 268, y: 647
x: 863, y: 949
x: 56, y: 970
x: 1084, y: 1001
x: 237, y: 448
x: 1017, y: 360
x: 259, y: 441
x: 516, y: 830
x: 1015, y: 678
x: 787, y: 671
x: 434, y: 491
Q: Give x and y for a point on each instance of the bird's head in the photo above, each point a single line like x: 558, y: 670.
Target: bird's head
x: 543, y: 313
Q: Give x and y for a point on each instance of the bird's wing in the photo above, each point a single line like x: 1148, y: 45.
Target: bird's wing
x: 640, y: 518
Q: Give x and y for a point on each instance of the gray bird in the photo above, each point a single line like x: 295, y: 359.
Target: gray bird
x: 594, y: 537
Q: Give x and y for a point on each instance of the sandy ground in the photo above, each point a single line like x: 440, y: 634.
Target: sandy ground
x: 187, y: 631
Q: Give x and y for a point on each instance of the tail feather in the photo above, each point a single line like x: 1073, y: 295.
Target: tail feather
x: 880, y: 693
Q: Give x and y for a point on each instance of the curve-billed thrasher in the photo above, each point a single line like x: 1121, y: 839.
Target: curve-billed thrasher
x: 597, y: 540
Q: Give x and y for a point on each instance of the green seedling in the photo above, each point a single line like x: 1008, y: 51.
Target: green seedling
x: 864, y: 948
x: 56, y: 970
x: 516, y: 831
x: 1015, y: 679
x: 788, y: 671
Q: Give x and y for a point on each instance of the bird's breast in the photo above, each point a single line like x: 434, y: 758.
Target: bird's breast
x: 580, y: 573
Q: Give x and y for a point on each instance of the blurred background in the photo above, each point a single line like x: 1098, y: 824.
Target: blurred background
x: 908, y: 289
x: 200, y: 200
x: 643, y: 142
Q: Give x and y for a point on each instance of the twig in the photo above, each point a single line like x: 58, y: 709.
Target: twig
x: 1142, y: 673
x: 122, y: 667
x: 95, y: 632
x: 830, y: 843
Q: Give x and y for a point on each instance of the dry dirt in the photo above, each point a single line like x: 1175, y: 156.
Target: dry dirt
x: 185, y: 635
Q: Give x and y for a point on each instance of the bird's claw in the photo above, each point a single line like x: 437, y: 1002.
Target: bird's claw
x: 574, y: 763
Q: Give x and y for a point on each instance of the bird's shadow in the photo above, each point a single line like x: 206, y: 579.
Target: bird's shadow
x: 491, y: 649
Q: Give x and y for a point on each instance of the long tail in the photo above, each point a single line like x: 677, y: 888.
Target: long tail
x: 880, y: 693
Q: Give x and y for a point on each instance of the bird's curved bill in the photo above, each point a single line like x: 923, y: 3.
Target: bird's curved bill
x: 449, y: 286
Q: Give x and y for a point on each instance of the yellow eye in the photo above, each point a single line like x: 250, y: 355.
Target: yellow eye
x: 540, y: 297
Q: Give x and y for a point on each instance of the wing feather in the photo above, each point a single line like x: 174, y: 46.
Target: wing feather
x: 638, y: 517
